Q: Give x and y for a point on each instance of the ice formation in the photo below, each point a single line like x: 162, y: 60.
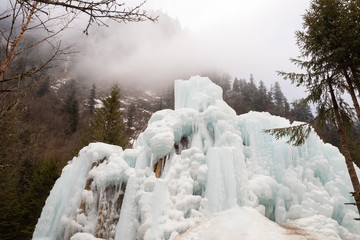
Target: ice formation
x: 201, y: 161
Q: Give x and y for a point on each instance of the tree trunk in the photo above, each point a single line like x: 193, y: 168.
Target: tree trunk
x: 10, y: 53
x: 345, y: 149
x: 356, y: 79
x: 351, y: 91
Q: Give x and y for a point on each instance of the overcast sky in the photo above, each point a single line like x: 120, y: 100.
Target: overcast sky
x: 254, y: 36
x: 234, y: 36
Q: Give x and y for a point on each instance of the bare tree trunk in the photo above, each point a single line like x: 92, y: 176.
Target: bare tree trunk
x: 345, y: 149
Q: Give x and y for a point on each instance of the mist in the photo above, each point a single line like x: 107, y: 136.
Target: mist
x: 256, y: 38
x: 143, y: 54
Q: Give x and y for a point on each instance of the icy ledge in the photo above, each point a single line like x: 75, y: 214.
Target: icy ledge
x: 201, y: 164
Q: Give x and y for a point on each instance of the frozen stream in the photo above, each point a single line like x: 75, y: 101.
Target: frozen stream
x: 194, y: 164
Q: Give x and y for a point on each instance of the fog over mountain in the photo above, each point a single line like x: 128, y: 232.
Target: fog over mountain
x: 145, y: 54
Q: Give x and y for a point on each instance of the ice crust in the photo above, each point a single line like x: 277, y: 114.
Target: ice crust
x: 215, y: 161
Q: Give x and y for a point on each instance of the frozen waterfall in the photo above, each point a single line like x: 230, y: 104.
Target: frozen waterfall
x: 198, y: 165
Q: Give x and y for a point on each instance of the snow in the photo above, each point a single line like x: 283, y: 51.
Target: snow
x: 243, y: 223
x: 223, y: 178
x: 84, y: 236
x: 57, y: 216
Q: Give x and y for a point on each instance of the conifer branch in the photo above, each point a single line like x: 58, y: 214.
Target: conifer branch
x: 299, y: 133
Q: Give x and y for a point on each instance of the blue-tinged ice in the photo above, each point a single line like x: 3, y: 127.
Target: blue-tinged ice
x: 58, y: 217
x: 199, y: 168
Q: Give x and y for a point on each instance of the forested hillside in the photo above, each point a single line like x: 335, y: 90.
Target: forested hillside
x: 48, y: 127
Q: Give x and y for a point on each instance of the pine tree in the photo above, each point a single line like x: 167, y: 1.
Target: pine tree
x: 249, y: 91
x: 261, y: 98
x: 70, y: 108
x: 330, y: 43
x: 107, y: 125
x: 225, y: 83
x: 286, y: 106
x: 236, y: 85
x: 278, y: 95
x: 130, y: 118
x: 270, y: 94
x: 43, y: 88
x: 92, y: 99
x: 329, y: 56
x: 301, y: 111
x: 35, y: 195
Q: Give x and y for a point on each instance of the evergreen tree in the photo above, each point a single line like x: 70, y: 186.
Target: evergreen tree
x: 44, y: 88
x: 236, y: 85
x: 35, y: 195
x: 18, y: 166
x: 130, y: 118
x: 301, y: 111
x: 261, y: 98
x: 107, y: 125
x: 329, y: 57
x: 286, y: 107
x: 330, y: 43
x: 92, y: 99
x: 242, y: 84
x: 278, y: 95
x: 224, y: 82
x: 70, y: 108
x: 262, y: 89
x: 249, y: 91
x: 270, y: 94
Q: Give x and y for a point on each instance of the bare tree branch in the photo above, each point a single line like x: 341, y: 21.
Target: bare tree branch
x: 10, y: 54
x: 44, y: 39
x: 42, y: 17
x: 4, y: 17
x: 99, y: 10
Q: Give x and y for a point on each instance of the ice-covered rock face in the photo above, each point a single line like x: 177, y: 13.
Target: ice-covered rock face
x: 196, y: 162
x: 196, y: 93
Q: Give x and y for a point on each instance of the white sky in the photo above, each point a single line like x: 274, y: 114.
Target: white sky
x: 245, y: 36
x: 232, y: 36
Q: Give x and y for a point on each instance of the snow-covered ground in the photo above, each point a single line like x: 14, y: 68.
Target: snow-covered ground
x: 201, y: 172
x: 246, y: 224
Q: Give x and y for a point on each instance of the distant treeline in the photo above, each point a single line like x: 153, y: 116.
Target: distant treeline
x: 246, y: 95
